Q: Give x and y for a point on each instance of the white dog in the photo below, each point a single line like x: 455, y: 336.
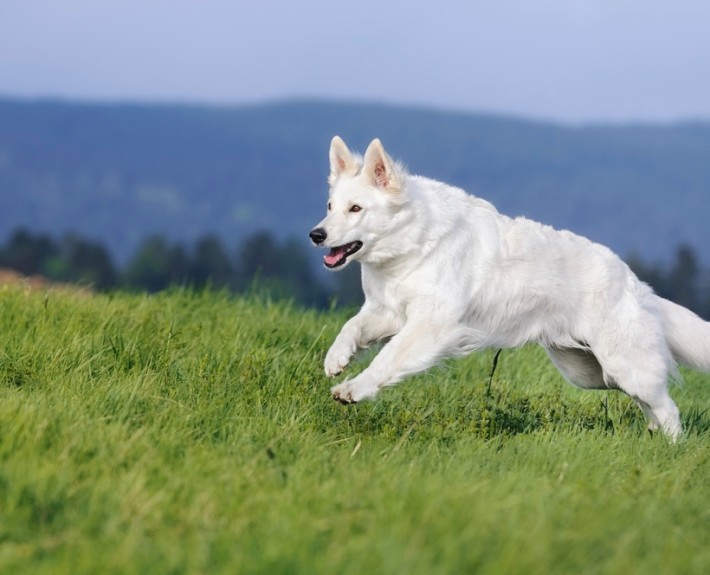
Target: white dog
x: 444, y: 274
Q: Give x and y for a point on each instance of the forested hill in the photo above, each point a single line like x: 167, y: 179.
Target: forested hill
x: 117, y: 173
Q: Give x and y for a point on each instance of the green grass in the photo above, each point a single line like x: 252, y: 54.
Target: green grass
x: 194, y: 433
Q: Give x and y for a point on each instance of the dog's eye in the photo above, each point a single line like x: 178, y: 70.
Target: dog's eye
x: 355, y: 208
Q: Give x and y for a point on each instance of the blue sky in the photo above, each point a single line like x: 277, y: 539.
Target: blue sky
x: 564, y: 60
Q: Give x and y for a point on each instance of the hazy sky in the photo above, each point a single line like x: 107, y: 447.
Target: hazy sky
x: 569, y: 60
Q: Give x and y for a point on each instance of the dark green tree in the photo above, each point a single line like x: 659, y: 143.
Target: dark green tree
x: 348, y: 287
x: 87, y: 263
x: 683, y: 278
x: 681, y: 282
x: 210, y: 263
x: 28, y: 253
x: 157, y: 265
x: 282, y: 269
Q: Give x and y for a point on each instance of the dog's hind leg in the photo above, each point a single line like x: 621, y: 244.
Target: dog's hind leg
x: 661, y: 412
x: 645, y: 379
x: 646, y: 384
x: 578, y: 366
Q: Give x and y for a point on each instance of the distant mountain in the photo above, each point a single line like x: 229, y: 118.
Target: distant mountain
x: 117, y: 173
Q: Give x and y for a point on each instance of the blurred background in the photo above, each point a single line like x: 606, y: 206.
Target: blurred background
x: 149, y: 143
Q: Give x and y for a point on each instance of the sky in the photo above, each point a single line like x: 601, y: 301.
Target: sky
x: 571, y: 61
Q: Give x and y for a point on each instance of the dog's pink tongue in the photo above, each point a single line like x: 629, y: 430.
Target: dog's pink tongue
x: 334, y: 256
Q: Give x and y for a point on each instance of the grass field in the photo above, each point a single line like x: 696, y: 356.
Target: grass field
x: 194, y: 433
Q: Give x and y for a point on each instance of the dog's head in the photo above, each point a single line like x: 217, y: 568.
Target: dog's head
x: 364, y: 194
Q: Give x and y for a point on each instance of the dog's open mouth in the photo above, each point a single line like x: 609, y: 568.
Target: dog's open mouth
x: 336, y: 257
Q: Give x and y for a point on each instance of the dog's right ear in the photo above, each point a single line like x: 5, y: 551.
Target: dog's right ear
x: 341, y: 160
x: 380, y: 168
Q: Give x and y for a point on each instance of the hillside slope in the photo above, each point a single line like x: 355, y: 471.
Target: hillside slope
x: 117, y: 173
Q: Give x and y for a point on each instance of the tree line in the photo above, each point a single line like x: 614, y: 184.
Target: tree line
x: 683, y: 281
x: 283, y: 268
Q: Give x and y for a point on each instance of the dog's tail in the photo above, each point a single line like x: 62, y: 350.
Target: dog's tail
x: 687, y: 335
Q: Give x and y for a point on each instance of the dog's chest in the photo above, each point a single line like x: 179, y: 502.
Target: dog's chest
x: 386, y: 291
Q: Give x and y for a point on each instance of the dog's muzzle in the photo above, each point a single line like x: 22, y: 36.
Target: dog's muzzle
x: 338, y: 255
x: 318, y: 236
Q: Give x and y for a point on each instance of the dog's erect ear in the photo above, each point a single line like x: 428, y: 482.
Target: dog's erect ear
x: 341, y: 160
x: 380, y: 168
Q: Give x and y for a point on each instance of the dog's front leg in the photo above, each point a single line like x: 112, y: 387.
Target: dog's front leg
x: 370, y: 324
x: 416, y: 348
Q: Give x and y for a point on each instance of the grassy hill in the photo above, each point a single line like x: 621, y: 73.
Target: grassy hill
x: 117, y: 173
x: 193, y: 433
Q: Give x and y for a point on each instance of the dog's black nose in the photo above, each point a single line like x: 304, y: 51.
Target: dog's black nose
x: 318, y: 236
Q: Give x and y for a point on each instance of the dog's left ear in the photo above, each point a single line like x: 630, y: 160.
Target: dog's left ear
x: 380, y: 168
x: 341, y: 160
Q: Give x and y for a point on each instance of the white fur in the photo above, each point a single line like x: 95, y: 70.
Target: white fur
x: 444, y: 274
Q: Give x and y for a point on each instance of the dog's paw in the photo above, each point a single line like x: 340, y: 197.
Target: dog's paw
x: 335, y: 362
x: 352, y: 391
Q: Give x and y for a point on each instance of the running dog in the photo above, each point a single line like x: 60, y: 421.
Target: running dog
x: 445, y: 274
